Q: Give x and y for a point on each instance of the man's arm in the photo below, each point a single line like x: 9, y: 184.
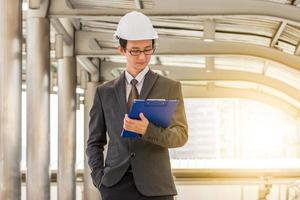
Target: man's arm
x: 176, y: 134
x: 97, y: 140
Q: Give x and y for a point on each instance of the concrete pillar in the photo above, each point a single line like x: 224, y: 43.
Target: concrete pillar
x: 59, y: 46
x: 298, y: 133
x: 38, y: 116
x: 10, y: 98
x: 67, y: 80
x: 90, y: 192
x: 66, y: 128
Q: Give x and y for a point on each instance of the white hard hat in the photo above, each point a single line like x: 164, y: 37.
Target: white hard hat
x: 135, y: 26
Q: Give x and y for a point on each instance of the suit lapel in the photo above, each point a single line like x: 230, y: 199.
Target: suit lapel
x: 120, y: 89
x: 120, y: 93
x: 150, y: 79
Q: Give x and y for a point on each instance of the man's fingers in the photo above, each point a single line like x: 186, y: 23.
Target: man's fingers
x: 136, y: 125
x: 128, y: 120
x: 142, y: 116
x: 130, y: 128
x: 133, y: 125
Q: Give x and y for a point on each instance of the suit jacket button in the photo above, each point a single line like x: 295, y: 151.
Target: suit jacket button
x: 132, y: 155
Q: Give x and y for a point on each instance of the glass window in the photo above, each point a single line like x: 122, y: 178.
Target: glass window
x: 238, y: 133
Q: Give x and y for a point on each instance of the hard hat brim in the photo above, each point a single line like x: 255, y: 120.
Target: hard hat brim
x: 117, y: 37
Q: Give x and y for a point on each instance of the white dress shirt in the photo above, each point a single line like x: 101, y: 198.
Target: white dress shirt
x: 140, y: 78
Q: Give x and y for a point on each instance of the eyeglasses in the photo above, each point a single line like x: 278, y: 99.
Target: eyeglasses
x: 137, y: 52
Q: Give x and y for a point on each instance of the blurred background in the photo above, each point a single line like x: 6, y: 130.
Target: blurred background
x: 239, y: 65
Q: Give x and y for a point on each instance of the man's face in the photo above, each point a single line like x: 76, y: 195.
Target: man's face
x: 136, y: 63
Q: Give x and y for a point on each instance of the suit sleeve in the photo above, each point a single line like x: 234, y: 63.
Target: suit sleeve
x: 96, y: 140
x: 176, y: 134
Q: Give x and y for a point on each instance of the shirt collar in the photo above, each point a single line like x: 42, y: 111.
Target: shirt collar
x: 139, y: 77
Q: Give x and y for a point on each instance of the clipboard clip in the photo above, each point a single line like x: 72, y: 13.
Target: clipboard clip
x: 155, y: 102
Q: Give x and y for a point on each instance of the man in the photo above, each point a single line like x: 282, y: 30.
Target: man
x: 134, y: 168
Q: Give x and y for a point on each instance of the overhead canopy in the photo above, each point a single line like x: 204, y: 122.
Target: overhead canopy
x: 254, y: 45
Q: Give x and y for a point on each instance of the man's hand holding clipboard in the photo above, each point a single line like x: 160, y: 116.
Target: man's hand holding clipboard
x: 157, y: 111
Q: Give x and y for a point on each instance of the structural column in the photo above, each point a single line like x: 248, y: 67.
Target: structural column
x: 66, y: 128
x: 90, y: 192
x: 38, y: 81
x: 10, y: 98
x: 67, y: 120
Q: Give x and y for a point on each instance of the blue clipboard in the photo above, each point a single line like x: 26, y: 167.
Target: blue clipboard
x: 158, y: 111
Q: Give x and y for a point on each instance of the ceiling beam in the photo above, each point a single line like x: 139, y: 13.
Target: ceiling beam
x: 193, y: 91
x: 297, y: 50
x: 184, y: 46
x: 210, y: 63
x: 198, y: 74
x: 209, y: 30
x: 139, y: 4
x: 90, y: 67
x: 60, y: 29
x: 268, y: 9
x: 93, y: 44
x: 76, y: 23
x: 278, y: 34
x: 34, y: 4
x: 265, y: 67
x: 295, y: 2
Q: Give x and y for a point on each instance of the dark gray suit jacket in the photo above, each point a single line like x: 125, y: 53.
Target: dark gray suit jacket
x: 148, y: 155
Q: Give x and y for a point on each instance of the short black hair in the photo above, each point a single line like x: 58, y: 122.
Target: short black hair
x: 123, y: 43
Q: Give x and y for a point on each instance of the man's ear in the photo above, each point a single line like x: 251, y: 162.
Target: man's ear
x: 120, y: 50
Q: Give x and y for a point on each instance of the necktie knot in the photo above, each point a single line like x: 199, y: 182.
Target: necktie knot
x: 133, y: 82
